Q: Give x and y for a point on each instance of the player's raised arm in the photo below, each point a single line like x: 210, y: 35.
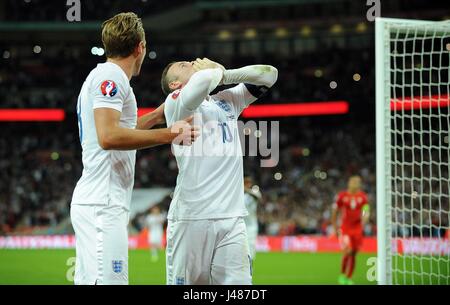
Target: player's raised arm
x: 334, y: 215
x: 365, y: 213
x: 187, y: 84
x: 112, y: 136
x: 258, y: 75
x: 253, y: 82
x: 199, y: 86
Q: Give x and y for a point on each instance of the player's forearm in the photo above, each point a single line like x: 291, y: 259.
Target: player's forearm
x: 365, y: 214
x: 151, y: 119
x: 259, y: 75
x: 129, y: 139
x: 334, y: 221
x: 199, y: 86
x: 365, y: 218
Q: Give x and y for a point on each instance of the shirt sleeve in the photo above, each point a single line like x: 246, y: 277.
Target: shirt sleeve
x: 109, y: 90
x: 238, y: 97
x: 174, y: 109
x: 365, y: 199
x: 183, y: 102
x: 338, y: 201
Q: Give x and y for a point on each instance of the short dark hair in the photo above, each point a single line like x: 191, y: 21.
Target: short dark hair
x: 165, y: 81
x: 121, y: 34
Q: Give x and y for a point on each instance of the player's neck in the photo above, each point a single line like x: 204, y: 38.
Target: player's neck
x: 352, y: 191
x: 126, y: 64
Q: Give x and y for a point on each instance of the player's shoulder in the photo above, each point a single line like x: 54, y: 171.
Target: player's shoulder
x: 170, y: 103
x: 254, y: 194
x: 338, y: 197
x: 342, y: 193
x: 363, y: 195
x: 109, y: 72
x: 173, y: 96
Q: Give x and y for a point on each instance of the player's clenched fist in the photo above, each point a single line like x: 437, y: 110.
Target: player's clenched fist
x: 205, y: 63
x: 185, y: 132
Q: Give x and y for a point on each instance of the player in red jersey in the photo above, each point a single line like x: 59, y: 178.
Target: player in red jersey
x: 354, y: 208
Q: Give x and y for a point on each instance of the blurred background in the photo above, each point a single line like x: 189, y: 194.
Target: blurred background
x: 323, y: 49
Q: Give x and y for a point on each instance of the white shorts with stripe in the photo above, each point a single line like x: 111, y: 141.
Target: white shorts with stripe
x: 101, y: 242
x: 208, y: 252
x: 252, y: 233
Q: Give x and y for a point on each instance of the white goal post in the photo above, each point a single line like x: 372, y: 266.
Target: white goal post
x: 412, y: 151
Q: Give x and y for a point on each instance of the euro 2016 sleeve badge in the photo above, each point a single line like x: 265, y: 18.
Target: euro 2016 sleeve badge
x: 108, y: 88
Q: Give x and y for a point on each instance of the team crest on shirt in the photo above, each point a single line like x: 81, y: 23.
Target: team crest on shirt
x: 117, y: 266
x: 179, y: 280
x: 359, y: 199
x: 224, y: 105
x: 108, y: 88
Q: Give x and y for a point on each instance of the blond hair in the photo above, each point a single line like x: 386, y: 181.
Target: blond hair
x: 121, y: 34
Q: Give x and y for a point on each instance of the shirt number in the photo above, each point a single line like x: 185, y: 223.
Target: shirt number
x: 226, y: 133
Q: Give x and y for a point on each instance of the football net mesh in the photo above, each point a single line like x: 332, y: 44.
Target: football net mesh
x: 419, y: 82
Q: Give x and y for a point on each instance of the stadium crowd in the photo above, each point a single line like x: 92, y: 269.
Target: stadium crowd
x: 41, y: 162
x: 40, y: 167
x: 55, y: 10
x: 45, y: 80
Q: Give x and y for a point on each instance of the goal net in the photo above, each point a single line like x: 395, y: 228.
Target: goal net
x: 413, y: 151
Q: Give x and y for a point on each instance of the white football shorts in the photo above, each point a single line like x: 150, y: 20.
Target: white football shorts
x: 252, y: 234
x: 208, y: 252
x: 101, y: 242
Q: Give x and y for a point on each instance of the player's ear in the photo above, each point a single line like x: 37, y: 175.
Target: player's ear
x: 140, y: 48
x: 174, y: 85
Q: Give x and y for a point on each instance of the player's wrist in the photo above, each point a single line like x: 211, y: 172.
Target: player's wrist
x: 167, y: 135
x: 229, y: 77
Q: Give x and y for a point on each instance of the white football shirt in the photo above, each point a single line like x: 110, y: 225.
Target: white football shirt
x: 210, y: 179
x: 108, y: 175
x: 155, y: 224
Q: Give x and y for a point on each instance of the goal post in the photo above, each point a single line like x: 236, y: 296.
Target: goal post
x: 412, y: 62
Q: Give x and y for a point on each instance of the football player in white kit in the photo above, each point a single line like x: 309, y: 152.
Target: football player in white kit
x: 252, y: 197
x: 110, y: 133
x: 155, y: 221
x: 206, y: 235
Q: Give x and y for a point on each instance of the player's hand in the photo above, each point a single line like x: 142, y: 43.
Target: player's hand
x: 205, y: 63
x: 185, y: 132
x: 215, y: 63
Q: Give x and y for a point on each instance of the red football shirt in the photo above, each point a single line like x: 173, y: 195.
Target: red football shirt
x: 351, y: 207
